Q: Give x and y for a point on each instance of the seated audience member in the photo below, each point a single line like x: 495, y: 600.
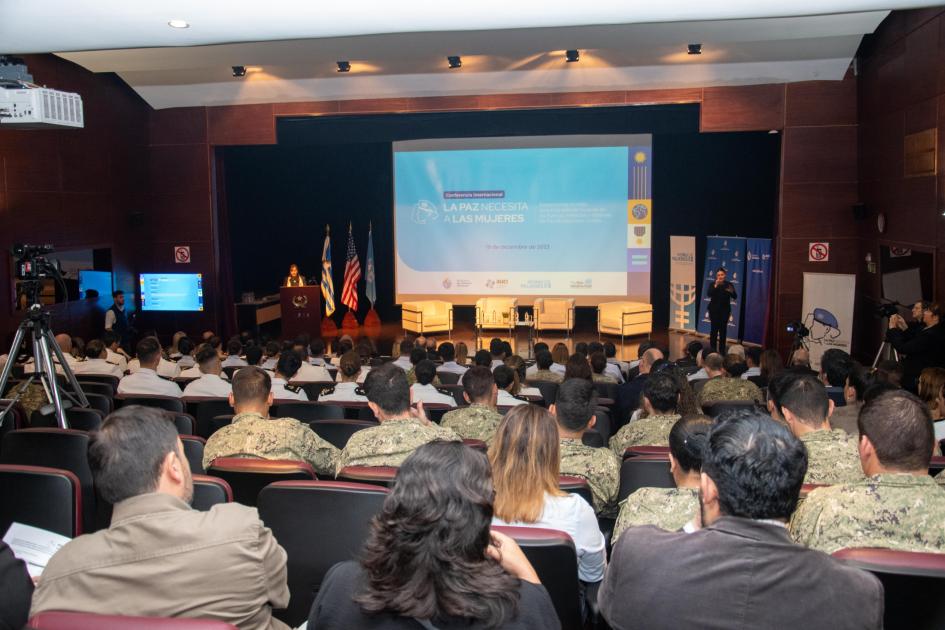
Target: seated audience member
x: 753, y: 361
x: 802, y: 403
x: 65, y: 345
x: 159, y: 557
x: 273, y: 349
x: 479, y: 420
x: 729, y: 385
x: 540, y: 346
x: 286, y: 369
x: 234, y: 351
x: 517, y: 364
x: 430, y: 560
x: 254, y: 434
x: 671, y: 508
x: 497, y: 352
x: 581, y: 349
x: 254, y: 356
x: 95, y: 362
x: 164, y: 368
x: 835, y: 365
x: 416, y: 356
x: 889, y: 371
x: 574, y: 412
x: 634, y: 370
x: 317, y: 352
x: 483, y: 358
x: 578, y: 367
x: 610, y: 351
x: 525, y: 458
x: 403, y: 361
x: 210, y: 382
x: 194, y: 372
x: 629, y: 395
x: 898, y: 505
x: 78, y: 348
x: 507, y: 382
x: 344, y: 344
x: 309, y: 373
x: 800, y: 358
x: 448, y: 354
x: 690, y: 361
x: 462, y: 354
x: 402, y: 428
x: 700, y: 374
x: 598, y: 366
x: 559, y: 356
x: 845, y: 417
x: 350, y: 375
x: 217, y: 344
x: 770, y: 365
x: 542, y: 372
x: 145, y: 381
x: 424, y: 390
x: 923, y: 346
x: 660, y: 402
x: 114, y: 352
x: 737, y: 349
x: 186, y: 348
x: 611, y: 369
x: 752, y: 471
x: 173, y: 351
x: 931, y: 385
x: 17, y: 590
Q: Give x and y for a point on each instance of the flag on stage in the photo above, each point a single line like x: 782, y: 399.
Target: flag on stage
x: 370, y: 289
x: 349, y: 293
x: 328, y: 286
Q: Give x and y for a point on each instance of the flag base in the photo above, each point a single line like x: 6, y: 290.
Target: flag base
x: 372, y: 324
x: 350, y: 325
x: 329, y: 330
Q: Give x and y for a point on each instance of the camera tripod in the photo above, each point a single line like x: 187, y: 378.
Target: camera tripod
x: 886, y: 349
x: 799, y: 343
x: 36, y: 326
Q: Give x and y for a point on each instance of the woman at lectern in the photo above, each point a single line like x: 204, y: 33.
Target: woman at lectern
x: 294, y: 279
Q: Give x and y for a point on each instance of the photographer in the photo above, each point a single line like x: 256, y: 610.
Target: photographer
x: 923, y: 345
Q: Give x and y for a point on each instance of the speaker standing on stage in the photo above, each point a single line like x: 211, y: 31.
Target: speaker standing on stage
x: 294, y: 279
x: 721, y: 295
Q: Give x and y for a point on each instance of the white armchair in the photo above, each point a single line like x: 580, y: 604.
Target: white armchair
x: 494, y: 313
x: 554, y: 314
x: 624, y: 319
x: 429, y: 316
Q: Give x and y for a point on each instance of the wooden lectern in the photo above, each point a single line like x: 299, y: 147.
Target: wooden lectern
x: 301, y: 311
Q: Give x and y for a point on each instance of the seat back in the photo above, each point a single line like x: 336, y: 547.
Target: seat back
x: 92, y: 387
x: 578, y: 486
x: 912, y: 584
x: 184, y: 422
x: 210, y: 491
x: 193, y: 451
x: 230, y: 370
x: 218, y: 422
x: 55, y: 448
x: 206, y: 410
x: 105, y: 404
x: 606, y: 390
x: 307, y: 411
x: 79, y: 418
x: 633, y: 451
x: 161, y: 402
x: 457, y: 391
x: 377, y: 475
x: 448, y: 378
x: 716, y: 408
x: 644, y: 471
x: 552, y: 554
x: 99, y: 378
x: 48, y: 498
x: 248, y: 476
x: 60, y: 620
x: 338, y: 432
x: 318, y: 523
x: 549, y: 390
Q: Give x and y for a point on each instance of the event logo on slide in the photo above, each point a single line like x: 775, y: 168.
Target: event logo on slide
x: 640, y: 211
x: 425, y: 212
x: 447, y: 283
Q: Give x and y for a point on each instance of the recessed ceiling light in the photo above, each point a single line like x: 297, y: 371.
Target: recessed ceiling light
x: 694, y: 49
x: 179, y: 24
x: 572, y: 55
x: 454, y: 61
x: 239, y: 71
x: 344, y: 66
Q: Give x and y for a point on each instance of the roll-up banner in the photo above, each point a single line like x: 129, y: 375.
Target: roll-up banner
x: 757, y: 289
x: 827, y: 311
x: 728, y: 252
x: 682, y: 283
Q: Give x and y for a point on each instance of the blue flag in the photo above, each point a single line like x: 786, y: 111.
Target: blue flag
x: 328, y: 286
x: 370, y: 289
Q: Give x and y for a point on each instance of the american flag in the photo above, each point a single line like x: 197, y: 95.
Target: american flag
x: 349, y: 294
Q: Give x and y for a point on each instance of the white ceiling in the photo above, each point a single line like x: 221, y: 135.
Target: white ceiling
x: 399, y: 48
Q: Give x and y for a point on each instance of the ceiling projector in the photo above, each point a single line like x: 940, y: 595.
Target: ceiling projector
x: 24, y: 106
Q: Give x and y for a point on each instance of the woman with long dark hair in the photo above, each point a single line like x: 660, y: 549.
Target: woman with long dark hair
x: 431, y: 561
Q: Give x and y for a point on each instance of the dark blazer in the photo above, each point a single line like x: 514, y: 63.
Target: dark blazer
x: 735, y: 574
x: 16, y: 587
x: 629, y: 399
x: 720, y: 297
x: 923, y: 348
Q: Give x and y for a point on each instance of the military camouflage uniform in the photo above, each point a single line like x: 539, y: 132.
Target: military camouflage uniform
x: 390, y: 443
x: 545, y: 375
x: 475, y: 422
x: 892, y: 511
x: 832, y: 457
x: 667, y: 508
x: 652, y: 431
x: 603, y: 378
x: 32, y: 399
x: 412, y: 378
x: 252, y: 435
x: 940, y: 478
x: 598, y: 466
x: 725, y: 388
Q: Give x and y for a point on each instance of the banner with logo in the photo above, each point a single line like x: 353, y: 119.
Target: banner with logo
x: 757, y: 289
x: 682, y: 283
x: 728, y: 252
x: 827, y: 312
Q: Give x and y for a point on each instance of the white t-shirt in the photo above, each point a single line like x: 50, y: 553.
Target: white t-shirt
x: 208, y: 385
x: 344, y: 392
x: 165, y: 368
x: 429, y: 394
x: 97, y: 367
x: 571, y: 514
x: 146, y: 382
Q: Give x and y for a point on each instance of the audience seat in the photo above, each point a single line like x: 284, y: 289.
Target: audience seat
x: 161, y: 402
x: 314, y: 389
x: 48, y: 498
x: 376, y: 475
x: 230, y: 370
x: 92, y: 387
x: 338, y: 432
x: 578, y: 486
x: 193, y: 451
x: 549, y: 390
x: 554, y: 314
x: 308, y: 411
x: 912, y: 582
x: 209, y: 491
x: 205, y: 409
x: 603, y: 424
x: 15, y: 419
x: 644, y: 471
x: 105, y: 404
x: 716, y: 408
x: 185, y: 423
x: 99, y: 378
x: 55, y: 448
x: 318, y: 523
x: 448, y: 378
x: 554, y: 557
x: 624, y: 318
x: 606, y: 391
x: 496, y: 313
x: 427, y: 316
x: 457, y: 391
x: 80, y: 418
x: 936, y: 465
x: 593, y: 438
x: 60, y: 620
x: 218, y: 422
x: 479, y: 445
x: 247, y: 476
x: 633, y: 451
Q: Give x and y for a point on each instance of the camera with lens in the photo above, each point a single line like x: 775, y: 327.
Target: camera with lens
x: 798, y: 329
x: 886, y: 310
x: 32, y: 264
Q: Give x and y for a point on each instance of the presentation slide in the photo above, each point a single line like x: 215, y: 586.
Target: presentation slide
x: 531, y: 216
x: 100, y: 281
x: 171, y: 291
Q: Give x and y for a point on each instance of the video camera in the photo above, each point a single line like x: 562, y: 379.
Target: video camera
x: 798, y: 329
x: 887, y: 310
x: 32, y: 264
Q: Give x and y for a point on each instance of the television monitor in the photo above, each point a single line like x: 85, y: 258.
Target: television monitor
x: 171, y: 291
x: 100, y: 281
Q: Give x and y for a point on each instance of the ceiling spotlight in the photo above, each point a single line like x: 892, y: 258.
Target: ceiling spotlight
x: 695, y: 49
x: 178, y: 24
x: 239, y: 71
x: 572, y: 55
x: 455, y: 62
x: 344, y: 66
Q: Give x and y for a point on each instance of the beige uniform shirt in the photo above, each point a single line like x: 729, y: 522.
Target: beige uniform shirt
x: 475, y: 422
x: 832, y: 457
x: 391, y: 442
x: 652, y: 431
x: 598, y: 466
x: 160, y: 558
x: 666, y: 508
